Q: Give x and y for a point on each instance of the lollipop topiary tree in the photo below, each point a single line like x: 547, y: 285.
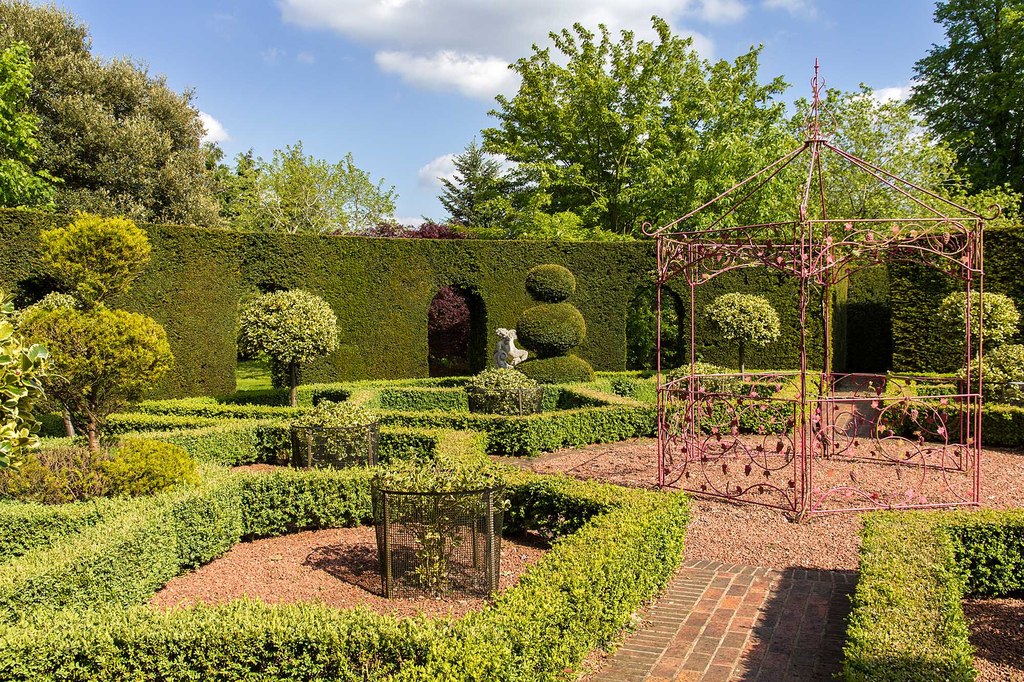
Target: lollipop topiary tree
x: 553, y: 328
x: 744, y: 319
x: 291, y: 328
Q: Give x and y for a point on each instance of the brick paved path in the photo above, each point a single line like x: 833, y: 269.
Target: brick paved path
x: 729, y: 622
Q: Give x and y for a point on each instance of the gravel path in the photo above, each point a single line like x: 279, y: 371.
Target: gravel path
x: 337, y: 567
x: 997, y: 633
x: 757, y: 536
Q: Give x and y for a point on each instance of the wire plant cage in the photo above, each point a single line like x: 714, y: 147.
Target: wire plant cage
x: 438, y: 543
x: 334, y: 447
x: 813, y: 440
x: 507, y: 401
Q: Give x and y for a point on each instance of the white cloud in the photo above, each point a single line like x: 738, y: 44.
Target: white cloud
x: 897, y: 93
x: 722, y: 11
x: 273, y: 55
x: 409, y: 222
x: 430, y: 174
x: 794, y: 7
x: 466, y: 45
x: 305, y: 57
x: 215, y: 130
x: 473, y: 75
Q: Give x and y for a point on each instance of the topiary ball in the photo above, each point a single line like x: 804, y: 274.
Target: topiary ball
x: 551, y: 329
x: 566, y: 369
x: 550, y: 283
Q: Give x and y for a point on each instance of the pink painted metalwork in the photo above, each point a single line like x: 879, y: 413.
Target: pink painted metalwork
x: 812, y: 441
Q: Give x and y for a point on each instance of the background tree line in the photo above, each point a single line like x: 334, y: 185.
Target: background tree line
x: 605, y: 133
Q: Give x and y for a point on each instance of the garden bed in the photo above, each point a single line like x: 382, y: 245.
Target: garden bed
x: 337, y: 567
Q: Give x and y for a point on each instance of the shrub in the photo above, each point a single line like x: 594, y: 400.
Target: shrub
x: 330, y: 415
x: 21, y: 370
x: 551, y: 329
x: 550, y: 283
x: 498, y: 378
x: 744, y: 318
x: 558, y: 370
x: 335, y: 435
x: 1003, y: 374
x: 143, y: 467
x: 101, y: 359
x: 290, y: 327
x: 57, y: 476
x: 95, y: 257
x: 997, y: 311
x: 504, y: 390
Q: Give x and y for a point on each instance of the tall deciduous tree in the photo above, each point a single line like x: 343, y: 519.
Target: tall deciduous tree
x: 122, y: 141
x: 636, y: 130
x: 971, y: 89
x: 20, y: 185
x: 294, y: 192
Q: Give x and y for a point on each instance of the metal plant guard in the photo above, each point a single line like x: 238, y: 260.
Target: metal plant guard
x: 816, y: 441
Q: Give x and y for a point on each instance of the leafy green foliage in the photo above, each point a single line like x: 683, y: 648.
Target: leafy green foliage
x: 329, y: 415
x: 20, y: 185
x: 550, y: 283
x: 619, y: 133
x: 744, y: 318
x: 142, y: 467
x: 551, y: 329
x: 969, y: 89
x: 1003, y: 374
x: 294, y: 192
x: 29, y: 526
x: 291, y: 327
x: 996, y: 313
x: 57, y: 476
x: 475, y: 197
x: 96, y: 257
x: 557, y: 370
x: 101, y: 359
x: 498, y: 378
x: 22, y: 368
x: 122, y: 142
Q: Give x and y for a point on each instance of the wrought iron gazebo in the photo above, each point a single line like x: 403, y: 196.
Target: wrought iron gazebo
x: 811, y: 441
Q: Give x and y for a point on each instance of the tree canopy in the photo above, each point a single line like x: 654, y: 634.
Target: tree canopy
x: 295, y: 192
x: 120, y: 139
x: 635, y: 130
x: 20, y: 185
x: 970, y: 90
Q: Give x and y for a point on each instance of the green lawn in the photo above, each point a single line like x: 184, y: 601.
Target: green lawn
x: 252, y: 375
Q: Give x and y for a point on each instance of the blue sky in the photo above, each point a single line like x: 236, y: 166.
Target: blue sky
x: 404, y: 84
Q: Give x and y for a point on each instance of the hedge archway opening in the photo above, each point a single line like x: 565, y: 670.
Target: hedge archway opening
x: 641, y: 329
x: 456, y: 332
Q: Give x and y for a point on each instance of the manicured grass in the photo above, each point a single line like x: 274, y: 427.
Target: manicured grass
x: 252, y: 375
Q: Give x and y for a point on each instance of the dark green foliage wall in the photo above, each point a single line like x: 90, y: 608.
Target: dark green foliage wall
x: 869, y: 321
x: 916, y: 291
x: 191, y: 287
x: 381, y: 290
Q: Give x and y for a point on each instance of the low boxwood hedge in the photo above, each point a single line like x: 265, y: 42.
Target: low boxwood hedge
x: 907, y: 623
x: 615, y: 549
x: 25, y: 526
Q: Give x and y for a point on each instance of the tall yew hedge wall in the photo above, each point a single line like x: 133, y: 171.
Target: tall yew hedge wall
x: 918, y: 344
x: 381, y: 290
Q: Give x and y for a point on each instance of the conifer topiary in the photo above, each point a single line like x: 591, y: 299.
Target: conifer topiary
x: 551, y: 329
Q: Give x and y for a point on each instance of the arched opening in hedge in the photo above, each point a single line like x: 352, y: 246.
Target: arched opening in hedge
x: 642, y: 325
x: 456, y: 332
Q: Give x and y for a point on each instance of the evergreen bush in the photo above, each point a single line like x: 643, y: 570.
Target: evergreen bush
x: 553, y: 328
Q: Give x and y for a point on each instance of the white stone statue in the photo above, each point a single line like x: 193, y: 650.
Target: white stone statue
x: 507, y: 354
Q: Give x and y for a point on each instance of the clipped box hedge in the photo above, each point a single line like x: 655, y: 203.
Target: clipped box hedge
x: 615, y: 549
x: 907, y: 623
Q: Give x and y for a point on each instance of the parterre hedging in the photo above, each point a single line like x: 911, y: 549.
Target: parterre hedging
x: 77, y: 610
x: 907, y: 623
x: 381, y: 290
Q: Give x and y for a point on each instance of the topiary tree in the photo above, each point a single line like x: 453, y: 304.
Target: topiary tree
x: 744, y: 319
x: 290, y: 327
x: 94, y: 257
x: 22, y: 367
x: 553, y: 328
x: 1003, y: 374
x: 997, y: 312
x: 100, y: 359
